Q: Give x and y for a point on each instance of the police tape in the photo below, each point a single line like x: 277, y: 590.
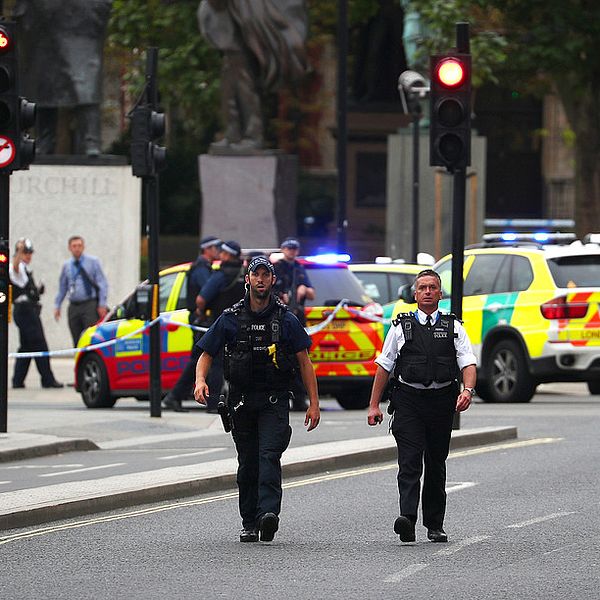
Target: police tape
x: 342, y: 304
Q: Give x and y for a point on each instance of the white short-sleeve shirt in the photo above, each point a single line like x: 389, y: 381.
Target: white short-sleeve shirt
x: 395, y: 340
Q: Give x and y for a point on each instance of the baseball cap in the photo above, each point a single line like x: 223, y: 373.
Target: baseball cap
x: 232, y: 247
x: 208, y: 241
x: 290, y: 242
x: 261, y: 261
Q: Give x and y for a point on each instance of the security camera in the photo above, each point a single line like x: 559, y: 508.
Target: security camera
x: 412, y: 87
x: 410, y: 80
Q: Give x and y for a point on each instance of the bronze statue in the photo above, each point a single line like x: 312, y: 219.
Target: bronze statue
x: 61, y: 66
x: 262, y: 42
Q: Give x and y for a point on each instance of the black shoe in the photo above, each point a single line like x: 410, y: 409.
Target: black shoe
x: 249, y: 535
x: 405, y: 528
x: 268, y: 525
x: 54, y: 384
x: 437, y: 535
x: 18, y: 386
x: 171, y: 403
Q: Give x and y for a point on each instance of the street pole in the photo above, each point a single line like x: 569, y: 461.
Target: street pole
x: 153, y: 230
x: 5, y: 300
x: 458, y: 214
x: 342, y: 134
x: 415, y: 187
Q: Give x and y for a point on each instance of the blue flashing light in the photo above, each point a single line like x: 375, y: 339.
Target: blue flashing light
x: 541, y: 237
x: 329, y: 259
x: 509, y: 237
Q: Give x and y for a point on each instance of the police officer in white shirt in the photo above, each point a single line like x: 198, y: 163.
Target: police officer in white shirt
x: 26, y: 312
x: 425, y: 352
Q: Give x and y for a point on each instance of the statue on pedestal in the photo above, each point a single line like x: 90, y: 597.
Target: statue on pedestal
x: 61, y: 65
x: 263, y: 45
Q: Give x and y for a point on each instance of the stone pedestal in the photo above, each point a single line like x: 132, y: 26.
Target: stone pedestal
x: 250, y: 199
x: 435, y: 198
x: 102, y: 203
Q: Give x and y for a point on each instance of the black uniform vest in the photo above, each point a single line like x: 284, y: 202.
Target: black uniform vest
x: 234, y: 289
x: 428, y: 353
x: 30, y: 290
x: 258, y: 360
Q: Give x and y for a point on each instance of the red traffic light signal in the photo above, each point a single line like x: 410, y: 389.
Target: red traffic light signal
x: 450, y: 72
x: 450, y: 101
x: 5, y: 40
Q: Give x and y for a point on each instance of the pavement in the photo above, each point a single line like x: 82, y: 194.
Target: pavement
x: 44, y: 422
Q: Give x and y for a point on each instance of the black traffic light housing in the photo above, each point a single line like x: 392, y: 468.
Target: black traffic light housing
x: 147, y: 157
x: 450, y: 102
x: 17, y: 149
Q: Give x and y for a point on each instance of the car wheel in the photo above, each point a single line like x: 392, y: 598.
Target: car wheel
x: 594, y: 387
x: 357, y: 399
x: 93, y: 383
x: 507, y: 377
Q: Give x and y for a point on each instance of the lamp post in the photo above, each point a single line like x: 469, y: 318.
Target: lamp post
x: 413, y: 88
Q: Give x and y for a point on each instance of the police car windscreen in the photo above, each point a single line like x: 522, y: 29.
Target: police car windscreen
x: 576, y: 271
x: 332, y: 285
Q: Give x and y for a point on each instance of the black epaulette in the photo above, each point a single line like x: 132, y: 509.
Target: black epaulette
x: 398, y: 319
x: 235, y: 309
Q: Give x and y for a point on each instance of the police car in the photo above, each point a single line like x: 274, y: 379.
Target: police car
x: 531, y: 309
x: 342, y: 351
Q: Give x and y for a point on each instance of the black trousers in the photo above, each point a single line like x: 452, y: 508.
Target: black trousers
x: 31, y: 339
x: 81, y: 316
x: 422, y: 426
x: 261, y: 432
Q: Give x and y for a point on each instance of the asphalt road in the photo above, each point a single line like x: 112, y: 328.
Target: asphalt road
x: 523, y: 522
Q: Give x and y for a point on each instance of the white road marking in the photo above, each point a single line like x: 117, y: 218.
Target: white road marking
x: 67, y: 466
x: 82, y: 470
x: 185, y: 504
x: 456, y: 487
x: 458, y: 546
x: 536, y: 520
x: 5, y: 482
x: 406, y: 572
x: 206, y: 451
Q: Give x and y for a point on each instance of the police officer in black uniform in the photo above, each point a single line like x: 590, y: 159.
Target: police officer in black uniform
x: 26, y: 311
x: 197, y: 276
x: 226, y: 286
x: 264, y: 345
x: 425, y: 352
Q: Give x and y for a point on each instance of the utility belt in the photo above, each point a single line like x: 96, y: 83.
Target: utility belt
x: 416, y: 392
x: 236, y: 400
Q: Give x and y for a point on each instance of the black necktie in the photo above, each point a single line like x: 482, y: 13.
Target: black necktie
x: 428, y: 321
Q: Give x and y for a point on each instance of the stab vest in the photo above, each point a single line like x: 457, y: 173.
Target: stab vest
x: 428, y: 353
x: 30, y: 290
x: 234, y: 289
x: 258, y: 360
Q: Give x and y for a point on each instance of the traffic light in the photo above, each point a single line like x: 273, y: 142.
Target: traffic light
x: 147, y: 157
x: 17, y: 149
x: 450, y: 100
x: 4, y: 280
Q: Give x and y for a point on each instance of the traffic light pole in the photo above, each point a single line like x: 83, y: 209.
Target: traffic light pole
x: 152, y: 210
x: 4, y: 216
x: 342, y: 131
x: 415, y: 187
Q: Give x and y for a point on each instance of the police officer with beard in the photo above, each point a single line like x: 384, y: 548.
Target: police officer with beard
x: 425, y: 352
x: 264, y: 345
x: 26, y: 311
